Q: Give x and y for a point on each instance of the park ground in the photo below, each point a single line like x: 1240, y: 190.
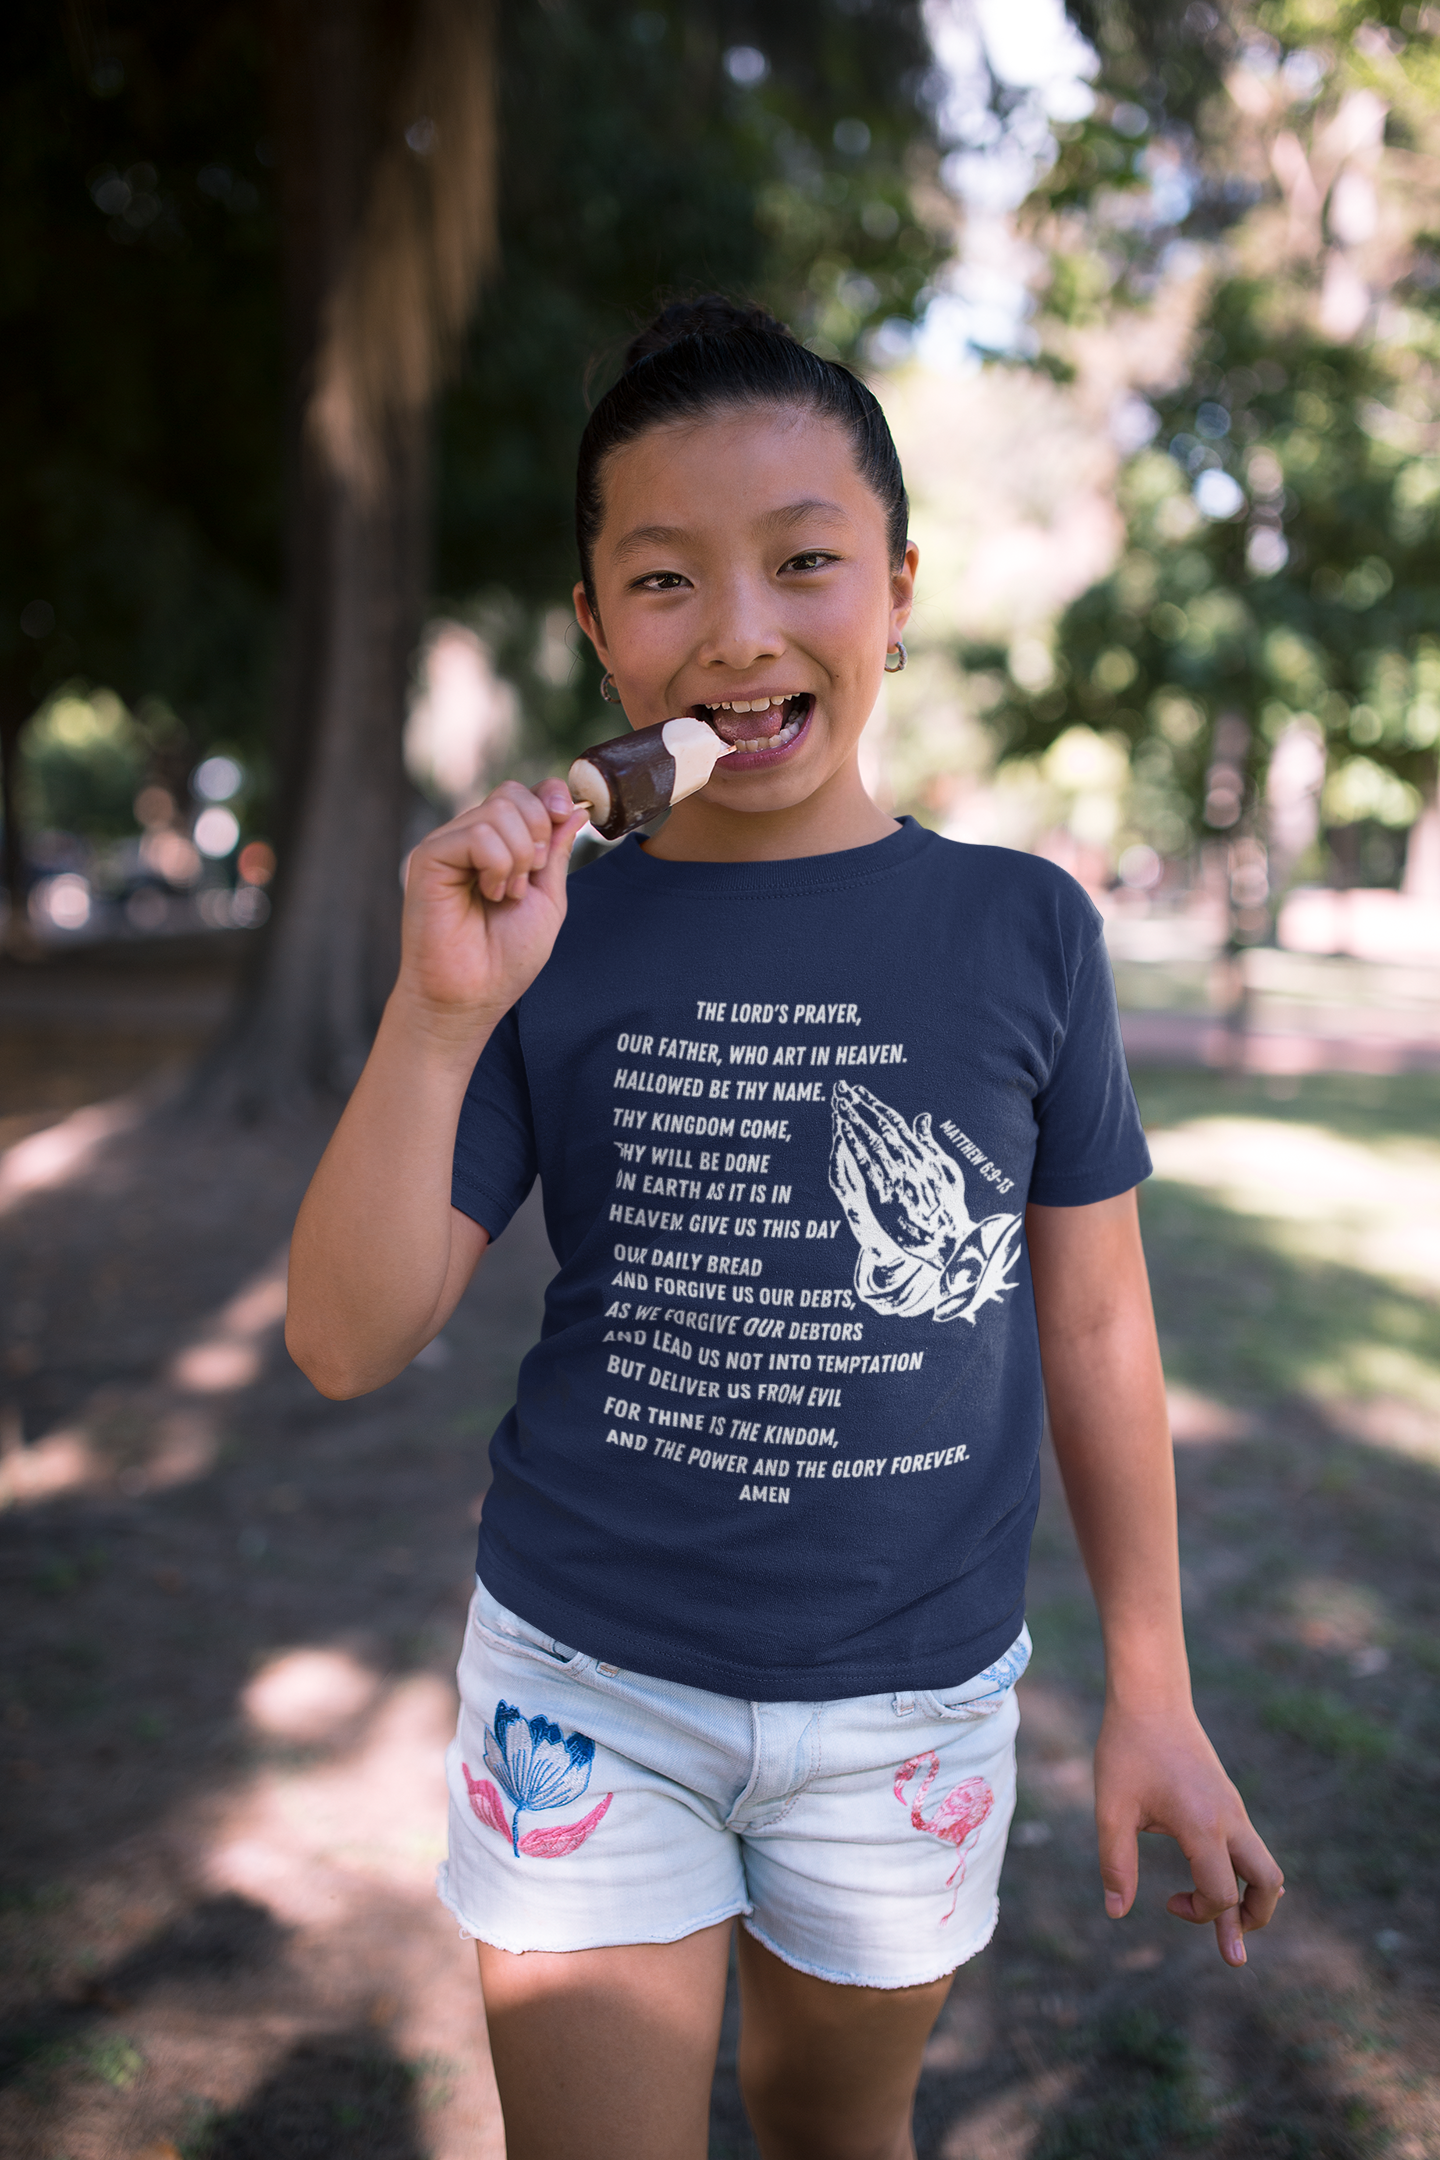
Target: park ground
x: 231, y: 1609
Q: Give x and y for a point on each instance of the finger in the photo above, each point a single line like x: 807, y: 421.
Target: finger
x: 557, y: 800
x: 1230, y: 1935
x: 1215, y: 1898
x: 486, y: 856
x: 483, y: 845
x: 525, y: 852
x: 1119, y: 1866
x: 895, y: 1134
x: 1201, y: 1906
x: 1228, y: 1923
x: 551, y: 879
x: 525, y: 824
x: 530, y: 806
x: 1263, y: 1880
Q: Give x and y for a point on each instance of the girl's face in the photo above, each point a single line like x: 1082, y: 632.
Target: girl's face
x: 744, y: 563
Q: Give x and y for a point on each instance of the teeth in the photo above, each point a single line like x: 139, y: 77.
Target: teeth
x: 786, y: 735
x: 749, y: 705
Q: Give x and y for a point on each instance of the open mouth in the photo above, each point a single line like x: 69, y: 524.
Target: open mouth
x: 761, y: 726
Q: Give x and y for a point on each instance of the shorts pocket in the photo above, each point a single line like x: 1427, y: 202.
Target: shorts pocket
x: 986, y: 1693
x: 506, y: 1632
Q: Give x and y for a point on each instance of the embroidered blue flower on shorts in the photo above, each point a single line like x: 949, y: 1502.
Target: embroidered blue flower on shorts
x: 536, y: 1765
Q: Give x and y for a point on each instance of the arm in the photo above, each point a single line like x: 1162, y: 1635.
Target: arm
x: 380, y: 1258
x: 1154, y: 1767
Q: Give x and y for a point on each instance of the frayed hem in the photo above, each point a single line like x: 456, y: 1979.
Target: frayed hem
x: 952, y: 1963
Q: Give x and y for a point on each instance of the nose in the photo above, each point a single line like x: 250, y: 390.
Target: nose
x: 740, y: 626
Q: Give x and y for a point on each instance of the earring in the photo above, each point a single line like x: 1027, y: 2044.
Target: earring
x: 895, y: 658
x: 608, y: 690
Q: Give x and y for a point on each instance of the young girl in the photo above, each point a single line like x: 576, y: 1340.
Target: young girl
x: 838, y: 1154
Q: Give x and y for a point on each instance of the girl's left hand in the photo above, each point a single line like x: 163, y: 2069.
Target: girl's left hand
x: 1157, y: 1771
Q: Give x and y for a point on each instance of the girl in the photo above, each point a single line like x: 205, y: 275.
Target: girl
x: 838, y: 1153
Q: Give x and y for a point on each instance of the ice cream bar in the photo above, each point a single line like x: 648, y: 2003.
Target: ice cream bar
x: 632, y: 779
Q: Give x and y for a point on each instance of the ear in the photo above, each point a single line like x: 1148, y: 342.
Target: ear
x: 902, y: 590
x: 590, y: 623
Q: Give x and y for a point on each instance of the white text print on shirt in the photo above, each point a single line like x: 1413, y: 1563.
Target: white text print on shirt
x: 903, y: 1195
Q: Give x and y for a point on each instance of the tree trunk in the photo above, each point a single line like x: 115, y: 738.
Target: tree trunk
x: 331, y: 960
x: 376, y: 234
x: 15, y: 710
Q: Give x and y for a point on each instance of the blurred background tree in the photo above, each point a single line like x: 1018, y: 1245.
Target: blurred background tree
x: 242, y: 252
x: 1270, y: 171
x: 141, y: 389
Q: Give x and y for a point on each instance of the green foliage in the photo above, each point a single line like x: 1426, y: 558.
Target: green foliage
x: 1321, y: 595
x: 144, y: 380
x: 83, y: 761
x: 1144, y: 2097
x: 1282, y: 548
x: 1324, y: 1721
x: 41, y: 2055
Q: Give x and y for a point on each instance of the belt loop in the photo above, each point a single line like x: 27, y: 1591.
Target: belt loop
x: 904, y: 1705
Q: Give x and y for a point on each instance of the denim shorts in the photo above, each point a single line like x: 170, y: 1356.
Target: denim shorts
x: 859, y: 1840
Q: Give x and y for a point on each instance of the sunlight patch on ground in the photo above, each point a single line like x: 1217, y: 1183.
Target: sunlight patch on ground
x: 61, y: 1152
x: 1348, y: 1619
x: 229, y: 1351
x: 309, y: 1694
x: 145, y: 1439
x: 1319, y: 1201
x: 1392, y: 1424
x: 178, y: 1445
x: 1195, y: 1417
x: 281, y: 1839
x: 1373, y: 1207
x: 343, y: 1851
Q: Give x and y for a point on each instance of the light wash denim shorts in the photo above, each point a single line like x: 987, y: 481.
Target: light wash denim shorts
x: 860, y: 1840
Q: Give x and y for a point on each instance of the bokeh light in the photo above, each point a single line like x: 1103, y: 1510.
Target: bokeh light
x: 62, y: 903
x: 154, y: 808
x: 249, y: 907
x: 1140, y: 868
x: 217, y: 830
x: 171, y: 856
x: 217, y: 779
x: 256, y: 862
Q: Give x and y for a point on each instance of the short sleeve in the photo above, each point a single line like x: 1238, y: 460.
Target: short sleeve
x: 1091, y: 1144
x: 495, y: 1141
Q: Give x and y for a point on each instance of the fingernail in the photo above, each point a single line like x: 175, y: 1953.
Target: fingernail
x: 1114, y: 1904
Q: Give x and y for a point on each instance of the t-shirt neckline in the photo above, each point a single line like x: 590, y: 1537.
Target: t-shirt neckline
x: 795, y: 873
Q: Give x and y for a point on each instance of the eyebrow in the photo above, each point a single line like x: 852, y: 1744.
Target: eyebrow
x: 661, y: 536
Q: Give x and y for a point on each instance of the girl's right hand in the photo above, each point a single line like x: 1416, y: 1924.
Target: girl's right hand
x: 484, y: 901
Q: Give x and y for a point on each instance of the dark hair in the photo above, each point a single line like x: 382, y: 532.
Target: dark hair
x: 699, y: 356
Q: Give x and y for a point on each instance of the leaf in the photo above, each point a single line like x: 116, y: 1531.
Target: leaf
x: 554, y: 1844
x: 485, y: 1803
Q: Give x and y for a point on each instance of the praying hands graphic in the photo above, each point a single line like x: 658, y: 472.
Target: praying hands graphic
x: 904, y: 1198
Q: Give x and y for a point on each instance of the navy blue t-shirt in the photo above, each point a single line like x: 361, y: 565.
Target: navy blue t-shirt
x: 780, y: 1436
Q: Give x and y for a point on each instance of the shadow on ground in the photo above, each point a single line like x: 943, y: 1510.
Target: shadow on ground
x: 219, y: 1931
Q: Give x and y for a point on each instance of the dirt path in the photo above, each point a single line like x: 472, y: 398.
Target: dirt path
x: 231, y: 1613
